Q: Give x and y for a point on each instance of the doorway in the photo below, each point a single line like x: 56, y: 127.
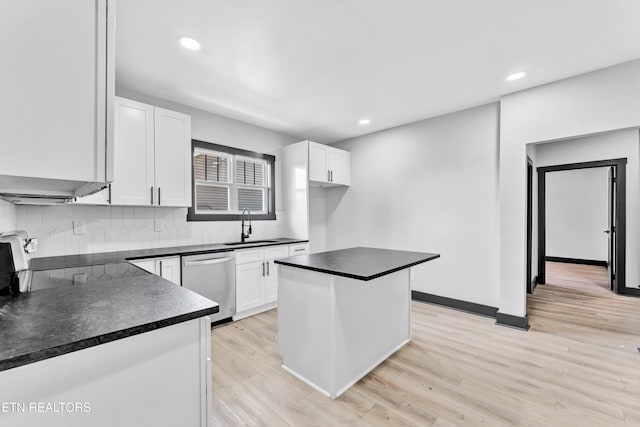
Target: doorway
x: 617, y: 220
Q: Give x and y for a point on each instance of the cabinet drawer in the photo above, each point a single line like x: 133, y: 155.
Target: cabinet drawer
x: 249, y: 255
x: 276, y: 252
x: 299, y: 249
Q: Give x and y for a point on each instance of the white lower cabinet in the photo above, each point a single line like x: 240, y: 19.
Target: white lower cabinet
x: 160, y: 378
x: 249, y: 285
x: 257, y: 280
x: 166, y: 267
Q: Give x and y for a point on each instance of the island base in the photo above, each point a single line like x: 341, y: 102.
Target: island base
x: 333, y: 330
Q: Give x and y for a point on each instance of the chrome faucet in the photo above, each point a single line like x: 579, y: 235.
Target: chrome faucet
x: 242, y: 235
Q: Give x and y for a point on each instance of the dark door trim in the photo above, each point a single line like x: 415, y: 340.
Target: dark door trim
x: 530, y: 284
x: 621, y: 214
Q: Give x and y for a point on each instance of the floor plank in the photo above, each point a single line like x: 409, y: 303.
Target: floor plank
x: 577, y: 366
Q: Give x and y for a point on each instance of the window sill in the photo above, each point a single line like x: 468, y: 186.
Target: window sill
x: 229, y: 217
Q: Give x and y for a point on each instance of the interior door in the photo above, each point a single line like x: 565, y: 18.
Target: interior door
x: 611, y: 229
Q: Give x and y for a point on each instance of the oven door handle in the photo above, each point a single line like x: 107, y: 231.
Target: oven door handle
x: 207, y: 261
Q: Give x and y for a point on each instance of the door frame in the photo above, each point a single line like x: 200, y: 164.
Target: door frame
x: 621, y: 220
x: 530, y: 284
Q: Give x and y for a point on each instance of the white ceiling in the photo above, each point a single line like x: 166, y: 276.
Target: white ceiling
x: 314, y: 68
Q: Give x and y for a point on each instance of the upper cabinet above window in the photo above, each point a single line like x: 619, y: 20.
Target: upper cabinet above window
x: 328, y: 166
x: 152, y: 165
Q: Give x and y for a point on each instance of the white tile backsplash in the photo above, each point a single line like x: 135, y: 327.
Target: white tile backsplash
x: 118, y: 228
x: 7, y: 216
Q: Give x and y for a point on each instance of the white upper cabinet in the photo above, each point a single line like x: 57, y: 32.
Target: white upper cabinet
x: 172, y: 158
x: 339, y: 167
x: 56, y: 86
x: 134, y: 153
x: 328, y: 166
x: 152, y: 157
x: 318, y: 169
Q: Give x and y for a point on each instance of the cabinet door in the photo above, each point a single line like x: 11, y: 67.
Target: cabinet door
x: 249, y: 279
x: 53, y: 86
x: 318, y: 170
x: 338, y: 162
x: 172, y: 158
x: 133, y: 156
x: 271, y: 278
x: 169, y: 268
x: 271, y: 282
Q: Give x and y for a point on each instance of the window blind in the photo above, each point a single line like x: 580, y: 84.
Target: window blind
x: 251, y: 198
x: 250, y: 172
x: 212, y: 198
x: 211, y: 167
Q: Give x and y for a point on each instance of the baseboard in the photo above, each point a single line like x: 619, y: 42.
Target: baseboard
x: 630, y: 291
x: 512, y: 321
x: 576, y: 261
x: 469, y: 307
x: 255, y: 310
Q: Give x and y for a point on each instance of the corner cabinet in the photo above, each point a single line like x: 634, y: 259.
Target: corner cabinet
x: 57, y: 84
x: 166, y: 267
x: 328, y: 166
x: 152, y: 157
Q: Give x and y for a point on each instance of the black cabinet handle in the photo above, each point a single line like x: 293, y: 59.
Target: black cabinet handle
x: 263, y: 269
x: 152, y: 194
x: 158, y: 196
x: 109, y: 195
x: 267, y: 267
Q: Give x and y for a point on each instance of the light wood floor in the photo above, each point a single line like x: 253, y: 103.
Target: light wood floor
x: 577, y: 366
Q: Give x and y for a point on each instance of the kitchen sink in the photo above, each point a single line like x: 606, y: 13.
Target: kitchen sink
x: 250, y: 242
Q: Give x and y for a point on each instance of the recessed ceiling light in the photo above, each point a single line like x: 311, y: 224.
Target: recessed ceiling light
x: 189, y: 43
x: 364, y: 122
x: 516, y: 76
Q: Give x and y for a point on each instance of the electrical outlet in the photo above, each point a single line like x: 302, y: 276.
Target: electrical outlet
x: 79, y: 278
x: 159, y: 225
x: 79, y: 227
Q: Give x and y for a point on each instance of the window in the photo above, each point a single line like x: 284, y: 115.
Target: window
x: 228, y: 180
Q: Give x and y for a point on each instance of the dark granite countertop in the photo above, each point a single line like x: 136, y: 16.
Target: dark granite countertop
x: 80, y: 301
x: 103, y: 258
x: 358, y: 263
x: 38, y: 325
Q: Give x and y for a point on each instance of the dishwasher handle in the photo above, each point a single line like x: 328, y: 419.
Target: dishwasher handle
x: 207, y: 261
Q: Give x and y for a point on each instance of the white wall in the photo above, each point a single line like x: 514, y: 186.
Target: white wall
x: 577, y: 214
x: 430, y: 186
x: 611, y: 145
x: 124, y: 228
x: 600, y: 101
x: 7, y: 216
x: 318, y: 218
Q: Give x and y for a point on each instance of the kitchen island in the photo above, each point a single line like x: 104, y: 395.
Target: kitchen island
x: 341, y: 313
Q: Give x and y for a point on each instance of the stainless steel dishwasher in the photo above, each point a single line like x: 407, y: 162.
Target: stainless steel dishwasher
x: 213, y: 276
